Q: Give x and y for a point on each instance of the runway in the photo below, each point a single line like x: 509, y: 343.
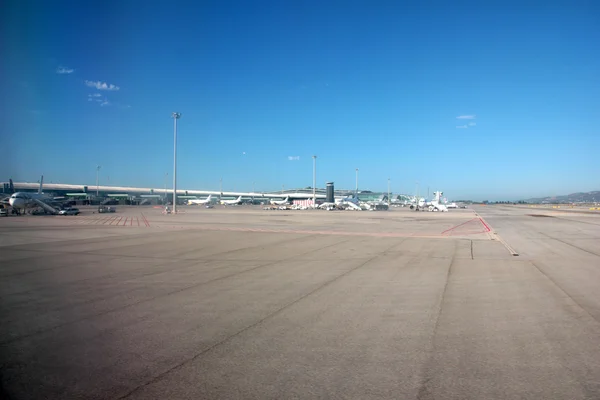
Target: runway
x: 242, y: 303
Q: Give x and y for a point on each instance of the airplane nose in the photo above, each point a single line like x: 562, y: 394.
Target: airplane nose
x: 16, y: 203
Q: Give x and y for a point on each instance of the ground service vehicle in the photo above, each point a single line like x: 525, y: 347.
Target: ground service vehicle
x: 69, y: 211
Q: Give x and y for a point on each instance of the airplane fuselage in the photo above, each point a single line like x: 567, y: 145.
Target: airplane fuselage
x: 280, y: 202
x: 232, y: 202
x: 200, y: 202
x: 24, y: 200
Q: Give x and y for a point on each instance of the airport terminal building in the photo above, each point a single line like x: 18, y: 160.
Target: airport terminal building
x: 92, y: 194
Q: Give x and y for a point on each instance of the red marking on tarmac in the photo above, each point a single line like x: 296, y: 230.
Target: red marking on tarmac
x: 118, y: 222
x: 307, y: 232
x: 478, y: 220
x: 454, y: 227
x: 131, y: 222
x: 484, y: 224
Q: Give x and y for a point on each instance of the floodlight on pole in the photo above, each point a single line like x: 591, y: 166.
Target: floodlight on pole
x: 166, y: 178
x: 97, y: 178
x: 314, y: 180
x: 417, y: 197
x: 175, y: 117
x: 389, y: 199
x: 356, y: 182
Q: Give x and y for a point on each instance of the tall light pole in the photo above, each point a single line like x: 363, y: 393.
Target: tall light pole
x: 175, y: 117
x: 356, y: 182
x: 166, y: 178
x: 389, y: 199
x: 97, y: 178
x: 314, y: 180
x: 417, y: 197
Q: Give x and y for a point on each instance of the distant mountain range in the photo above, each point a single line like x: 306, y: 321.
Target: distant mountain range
x: 586, y: 197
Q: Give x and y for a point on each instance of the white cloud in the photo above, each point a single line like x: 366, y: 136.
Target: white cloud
x: 465, y: 117
x: 97, y: 98
x: 293, y: 158
x: 472, y: 124
x: 462, y: 126
x: 64, y: 70
x: 102, y: 85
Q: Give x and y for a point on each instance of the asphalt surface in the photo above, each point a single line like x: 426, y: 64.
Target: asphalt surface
x: 242, y: 303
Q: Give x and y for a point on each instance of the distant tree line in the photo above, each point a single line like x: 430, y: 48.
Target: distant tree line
x: 504, y: 202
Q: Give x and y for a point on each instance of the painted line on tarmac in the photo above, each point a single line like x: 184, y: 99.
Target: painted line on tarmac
x: 512, y: 251
x: 106, y: 221
x: 484, y: 224
x: 145, y: 220
x: 451, y: 231
x: 308, y: 232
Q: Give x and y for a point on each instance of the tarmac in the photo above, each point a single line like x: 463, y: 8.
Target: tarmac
x: 494, y: 302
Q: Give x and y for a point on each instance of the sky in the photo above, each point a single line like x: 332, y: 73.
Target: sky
x: 482, y: 100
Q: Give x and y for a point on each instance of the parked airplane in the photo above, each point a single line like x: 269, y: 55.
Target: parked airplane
x: 328, y: 206
x: 232, y: 202
x: 433, y: 205
x: 6, y: 200
x: 418, y: 203
x: 280, y: 202
x: 436, y: 203
x: 200, y: 202
x: 22, y: 201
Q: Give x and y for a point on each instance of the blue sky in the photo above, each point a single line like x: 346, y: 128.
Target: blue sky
x: 262, y: 86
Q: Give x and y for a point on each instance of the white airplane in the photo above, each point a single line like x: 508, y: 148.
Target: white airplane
x: 232, y: 202
x: 436, y: 204
x: 21, y: 201
x: 328, y: 206
x: 200, y: 202
x: 280, y: 202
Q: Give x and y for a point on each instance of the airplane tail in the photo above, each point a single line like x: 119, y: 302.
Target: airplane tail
x: 209, y: 197
x: 41, y: 185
